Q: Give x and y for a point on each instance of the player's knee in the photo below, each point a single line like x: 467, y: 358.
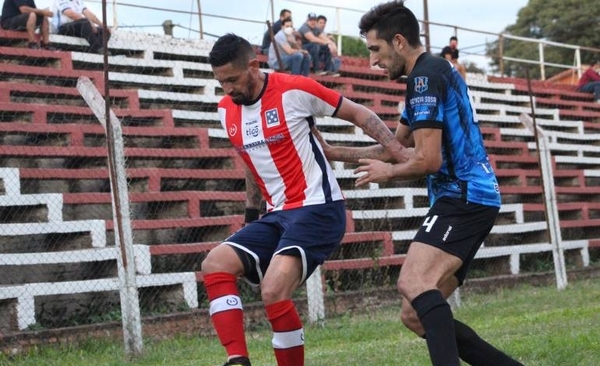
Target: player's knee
x: 405, y: 286
x: 214, y: 262
x: 269, y: 294
x: 207, y: 265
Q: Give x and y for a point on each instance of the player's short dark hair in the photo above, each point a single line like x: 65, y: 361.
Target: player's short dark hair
x: 231, y: 48
x: 283, y: 11
x: 453, y: 38
x: 322, y: 17
x: 285, y: 20
x: 389, y: 19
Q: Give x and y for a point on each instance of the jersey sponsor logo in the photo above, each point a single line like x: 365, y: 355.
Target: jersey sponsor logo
x: 260, y: 143
x: 252, y: 131
x: 425, y: 100
x: 421, y: 84
x: 272, y: 117
x: 447, y: 233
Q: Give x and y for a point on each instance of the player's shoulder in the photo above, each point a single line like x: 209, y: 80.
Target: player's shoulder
x: 225, y: 102
x: 284, y: 82
x: 430, y: 66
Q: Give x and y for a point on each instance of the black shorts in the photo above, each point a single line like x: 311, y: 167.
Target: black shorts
x: 458, y: 228
x: 19, y: 23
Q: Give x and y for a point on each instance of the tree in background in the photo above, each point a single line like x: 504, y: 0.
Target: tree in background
x: 354, y: 47
x: 564, y: 21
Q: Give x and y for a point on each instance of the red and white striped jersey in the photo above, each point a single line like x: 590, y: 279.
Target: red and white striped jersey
x: 274, y: 139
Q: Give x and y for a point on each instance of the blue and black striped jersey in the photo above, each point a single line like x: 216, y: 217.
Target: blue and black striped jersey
x: 438, y: 97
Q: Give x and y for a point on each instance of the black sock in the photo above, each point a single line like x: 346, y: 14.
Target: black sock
x: 436, y: 317
x: 477, y: 352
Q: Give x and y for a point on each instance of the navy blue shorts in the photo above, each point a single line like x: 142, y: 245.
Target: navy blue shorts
x: 458, y: 228
x: 311, y: 233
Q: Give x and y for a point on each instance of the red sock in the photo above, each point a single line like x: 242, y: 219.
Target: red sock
x: 226, y: 312
x: 288, y: 334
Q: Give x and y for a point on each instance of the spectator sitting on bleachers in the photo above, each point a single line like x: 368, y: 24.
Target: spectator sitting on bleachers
x: 293, y: 57
x: 283, y: 14
x: 317, y: 44
x: 337, y: 62
x: 450, y: 53
x: 74, y: 18
x: 23, y: 15
x: 590, y: 81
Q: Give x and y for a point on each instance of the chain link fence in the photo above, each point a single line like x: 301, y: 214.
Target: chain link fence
x: 59, y: 261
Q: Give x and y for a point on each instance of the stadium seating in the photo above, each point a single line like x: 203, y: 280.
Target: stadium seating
x: 23, y: 289
x: 186, y: 184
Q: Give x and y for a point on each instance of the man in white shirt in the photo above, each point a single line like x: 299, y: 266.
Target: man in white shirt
x: 73, y: 18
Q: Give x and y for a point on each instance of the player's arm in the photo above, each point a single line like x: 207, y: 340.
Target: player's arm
x: 427, y: 159
x: 404, y: 135
x: 389, y: 148
x: 253, y: 198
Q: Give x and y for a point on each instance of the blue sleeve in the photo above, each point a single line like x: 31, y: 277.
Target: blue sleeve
x: 424, y: 104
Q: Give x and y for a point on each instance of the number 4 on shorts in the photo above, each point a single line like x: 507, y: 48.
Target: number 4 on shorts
x: 429, y: 221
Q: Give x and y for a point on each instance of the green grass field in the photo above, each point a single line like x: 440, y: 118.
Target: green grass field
x: 540, y: 326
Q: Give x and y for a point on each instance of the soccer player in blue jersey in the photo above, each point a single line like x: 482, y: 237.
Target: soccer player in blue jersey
x: 439, y: 122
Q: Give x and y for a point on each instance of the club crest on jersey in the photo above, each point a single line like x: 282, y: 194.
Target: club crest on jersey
x: 232, y: 130
x: 272, y: 117
x: 421, y: 84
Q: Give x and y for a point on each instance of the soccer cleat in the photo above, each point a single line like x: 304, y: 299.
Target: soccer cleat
x: 238, y: 361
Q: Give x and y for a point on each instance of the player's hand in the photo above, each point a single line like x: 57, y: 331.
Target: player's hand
x: 403, y: 155
x: 47, y: 13
x: 375, y: 171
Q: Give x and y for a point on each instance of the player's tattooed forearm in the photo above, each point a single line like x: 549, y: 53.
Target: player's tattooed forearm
x: 375, y: 152
x: 379, y: 131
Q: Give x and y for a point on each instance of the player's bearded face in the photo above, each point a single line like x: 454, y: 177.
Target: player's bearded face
x: 243, y: 92
x: 396, y: 66
x: 383, y: 55
x: 239, y: 84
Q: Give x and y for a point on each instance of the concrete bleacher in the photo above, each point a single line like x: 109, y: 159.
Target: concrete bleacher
x: 186, y: 184
x: 23, y: 293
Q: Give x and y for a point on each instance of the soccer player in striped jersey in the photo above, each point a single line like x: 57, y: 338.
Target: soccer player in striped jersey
x: 439, y: 122
x: 268, y: 119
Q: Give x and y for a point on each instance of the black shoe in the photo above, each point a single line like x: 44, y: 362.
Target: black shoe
x: 49, y: 47
x: 238, y: 361
x: 33, y: 46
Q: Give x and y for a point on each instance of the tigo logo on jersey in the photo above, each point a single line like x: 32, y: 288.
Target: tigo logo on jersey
x: 421, y: 84
x: 272, y: 117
